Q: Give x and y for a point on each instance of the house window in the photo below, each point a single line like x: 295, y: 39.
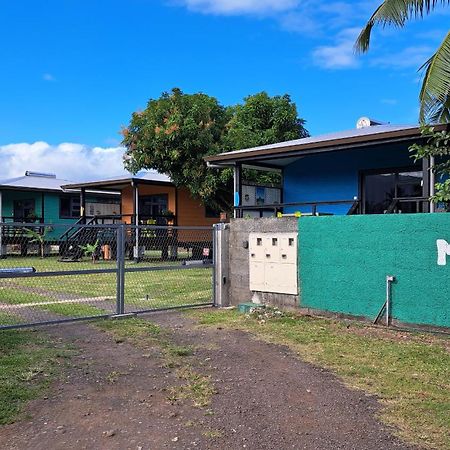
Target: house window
x: 24, y: 210
x: 211, y: 212
x: 69, y: 207
x: 152, y: 206
x: 380, y: 188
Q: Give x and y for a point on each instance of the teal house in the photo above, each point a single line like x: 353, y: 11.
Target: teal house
x: 40, y: 198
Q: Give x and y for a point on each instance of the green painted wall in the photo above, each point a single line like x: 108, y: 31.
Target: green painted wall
x: 9, y: 197
x: 51, y: 208
x: 344, y: 260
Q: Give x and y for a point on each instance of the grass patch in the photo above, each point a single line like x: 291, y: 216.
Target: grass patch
x: 28, y: 364
x: 142, y: 333
x: 179, y: 350
x: 212, y: 434
x: 196, y: 387
x: 139, y: 332
x: 409, y: 372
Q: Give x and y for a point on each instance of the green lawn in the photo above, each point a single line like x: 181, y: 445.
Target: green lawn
x: 410, y: 373
x: 28, y: 363
x: 92, y: 294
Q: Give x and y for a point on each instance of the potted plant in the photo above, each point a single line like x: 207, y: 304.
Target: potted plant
x: 36, y: 237
x: 90, y: 250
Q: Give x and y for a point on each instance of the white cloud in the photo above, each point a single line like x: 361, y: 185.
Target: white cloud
x: 73, y: 162
x: 48, y: 77
x: 341, y: 54
x: 389, y: 101
x: 408, y: 57
x: 234, y: 7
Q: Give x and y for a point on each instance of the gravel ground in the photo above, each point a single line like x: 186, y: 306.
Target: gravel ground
x: 115, y: 396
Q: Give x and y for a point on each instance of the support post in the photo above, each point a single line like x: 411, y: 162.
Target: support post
x: 136, y: 253
x: 42, y: 207
x: 120, y: 295
x: 221, y: 265
x: 426, y: 183
x: 83, y: 204
x: 432, y: 183
x: 2, y: 247
x: 237, y: 189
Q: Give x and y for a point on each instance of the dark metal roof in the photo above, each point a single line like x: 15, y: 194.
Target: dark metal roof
x: 362, y: 137
x: 121, y: 181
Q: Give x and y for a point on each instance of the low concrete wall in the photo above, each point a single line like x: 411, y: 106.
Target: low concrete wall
x: 240, y: 230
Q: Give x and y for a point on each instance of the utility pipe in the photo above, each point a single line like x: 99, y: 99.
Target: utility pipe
x: 389, y: 280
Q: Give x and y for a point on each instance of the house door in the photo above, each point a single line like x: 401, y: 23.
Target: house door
x: 24, y: 210
x: 380, y: 188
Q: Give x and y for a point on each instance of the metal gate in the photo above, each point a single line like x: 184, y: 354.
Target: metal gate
x: 52, y: 273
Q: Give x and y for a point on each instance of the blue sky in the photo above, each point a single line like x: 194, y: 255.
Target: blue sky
x: 73, y: 71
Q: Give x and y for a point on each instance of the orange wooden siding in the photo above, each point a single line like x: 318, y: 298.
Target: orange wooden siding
x: 146, y: 189
x: 190, y: 211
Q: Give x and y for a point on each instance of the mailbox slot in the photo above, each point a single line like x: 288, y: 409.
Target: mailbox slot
x: 273, y: 262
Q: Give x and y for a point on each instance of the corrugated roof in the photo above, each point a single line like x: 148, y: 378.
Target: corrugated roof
x: 372, y: 130
x: 149, y: 177
x: 46, y: 183
x: 325, y: 142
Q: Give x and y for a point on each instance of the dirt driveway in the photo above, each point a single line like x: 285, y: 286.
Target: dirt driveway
x: 115, y: 395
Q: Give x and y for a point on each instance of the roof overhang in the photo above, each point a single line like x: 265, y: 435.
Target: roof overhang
x: 116, y: 185
x: 280, y: 155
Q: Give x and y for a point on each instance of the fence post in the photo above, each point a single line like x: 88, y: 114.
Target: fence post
x: 221, y: 265
x: 120, y: 296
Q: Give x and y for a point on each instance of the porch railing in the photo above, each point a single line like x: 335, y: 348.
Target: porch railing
x: 12, y: 219
x: 115, y: 219
x: 420, y: 204
x: 354, y: 207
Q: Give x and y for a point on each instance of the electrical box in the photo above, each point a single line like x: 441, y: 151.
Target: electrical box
x: 273, y: 262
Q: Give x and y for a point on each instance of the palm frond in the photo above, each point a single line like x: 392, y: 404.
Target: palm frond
x: 435, y: 92
x: 395, y: 13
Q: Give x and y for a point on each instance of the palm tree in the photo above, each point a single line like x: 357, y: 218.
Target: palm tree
x: 435, y: 92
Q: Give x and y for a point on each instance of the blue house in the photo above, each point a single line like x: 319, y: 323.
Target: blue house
x: 367, y: 170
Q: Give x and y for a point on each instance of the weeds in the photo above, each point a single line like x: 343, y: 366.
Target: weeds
x: 28, y: 364
x: 409, y: 372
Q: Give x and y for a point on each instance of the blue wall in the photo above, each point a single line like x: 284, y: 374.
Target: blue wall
x: 335, y: 176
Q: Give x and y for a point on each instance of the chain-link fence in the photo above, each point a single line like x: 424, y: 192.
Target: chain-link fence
x: 51, y: 273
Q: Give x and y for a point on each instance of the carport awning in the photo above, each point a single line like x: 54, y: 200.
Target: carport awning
x: 119, y: 183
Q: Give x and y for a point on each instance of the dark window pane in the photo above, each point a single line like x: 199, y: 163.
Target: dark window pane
x: 211, y: 212
x: 153, y: 205
x: 379, y: 192
x: 381, y: 188
x: 69, y: 207
x: 64, y: 209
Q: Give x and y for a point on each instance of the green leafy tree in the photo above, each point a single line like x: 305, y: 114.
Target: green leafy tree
x: 263, y: 120
x: 175, y: 132
x: 437, y: 145
x: 435, y: 92
x: 172, y: 135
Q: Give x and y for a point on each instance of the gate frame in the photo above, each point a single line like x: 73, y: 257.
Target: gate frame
x: 120, y: 271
